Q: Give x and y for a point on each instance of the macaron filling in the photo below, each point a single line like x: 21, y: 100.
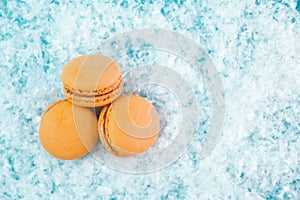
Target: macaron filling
x: 92, y: 94
x: 90, y: 97
x: 98, y: 92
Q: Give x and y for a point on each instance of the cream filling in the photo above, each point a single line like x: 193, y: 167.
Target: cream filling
x: 79, y: 93
x: 86, y: 93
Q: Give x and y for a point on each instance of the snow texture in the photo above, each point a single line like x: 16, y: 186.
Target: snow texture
x: 255, y: 46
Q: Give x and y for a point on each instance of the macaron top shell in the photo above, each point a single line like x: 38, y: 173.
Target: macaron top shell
x: 91, y: 72
x: 68, y: 131
x: 135, y: 116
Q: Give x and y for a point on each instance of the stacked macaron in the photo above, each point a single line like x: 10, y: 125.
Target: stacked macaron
x: 92, y: 80
x: 69, y: 129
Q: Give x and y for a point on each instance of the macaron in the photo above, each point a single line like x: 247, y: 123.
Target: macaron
x: 68, y: 131
x: 92, y: 80
x: 129, y: 126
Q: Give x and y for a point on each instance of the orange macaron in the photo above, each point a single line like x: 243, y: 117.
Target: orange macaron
x: 92, y: 80
x: 128, y: 126
x: 68, y: 131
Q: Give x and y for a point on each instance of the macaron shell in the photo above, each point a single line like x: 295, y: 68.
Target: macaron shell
x: 91, y: 73
x: 68, y: 131
x: 136, y: 116
x: 123, y: 153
